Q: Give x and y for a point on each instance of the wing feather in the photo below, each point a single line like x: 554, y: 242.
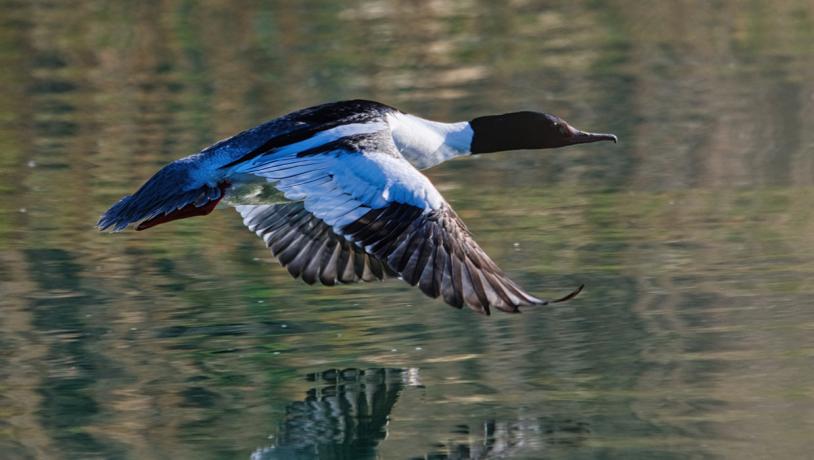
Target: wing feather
x: 364, y: 213
x: 309, y: 248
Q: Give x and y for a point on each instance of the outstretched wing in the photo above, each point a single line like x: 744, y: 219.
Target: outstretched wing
x: 308, y: 247
x: 365, y: 192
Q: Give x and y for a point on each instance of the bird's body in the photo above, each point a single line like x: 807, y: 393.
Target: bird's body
x: 357, y: 207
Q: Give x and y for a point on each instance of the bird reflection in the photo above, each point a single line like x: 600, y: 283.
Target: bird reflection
x: 508, y: 439
x: 344, y: 416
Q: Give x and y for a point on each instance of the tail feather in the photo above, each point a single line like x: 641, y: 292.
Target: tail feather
x: 167, y: 192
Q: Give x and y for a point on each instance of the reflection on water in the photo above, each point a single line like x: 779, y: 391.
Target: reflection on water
x: 506, y: 439
x: 693, y: 235
x: 346, y: 413
x: 344, y: 416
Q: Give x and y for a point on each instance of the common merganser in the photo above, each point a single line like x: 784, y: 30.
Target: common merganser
x: 357, y: 208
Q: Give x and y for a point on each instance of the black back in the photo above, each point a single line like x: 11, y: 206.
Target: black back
x: 302, y: 124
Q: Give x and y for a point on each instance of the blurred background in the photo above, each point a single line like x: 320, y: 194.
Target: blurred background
x: 694, y: 235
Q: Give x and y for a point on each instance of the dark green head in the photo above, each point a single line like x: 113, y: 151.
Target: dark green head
x: 527, y: 130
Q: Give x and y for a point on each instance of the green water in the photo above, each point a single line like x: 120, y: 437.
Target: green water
x: 694, y: 235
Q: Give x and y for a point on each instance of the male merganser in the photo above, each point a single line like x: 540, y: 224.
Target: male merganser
x: 357, y: 207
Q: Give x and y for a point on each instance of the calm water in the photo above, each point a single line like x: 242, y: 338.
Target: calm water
x: 695, y: 235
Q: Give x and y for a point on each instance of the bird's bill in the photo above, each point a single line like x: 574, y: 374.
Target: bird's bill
x: 582, y: 137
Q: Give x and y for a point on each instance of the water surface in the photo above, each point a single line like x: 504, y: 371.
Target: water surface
x: 693, y: 337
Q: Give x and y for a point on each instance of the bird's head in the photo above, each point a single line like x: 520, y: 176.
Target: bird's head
x: 527, y: 130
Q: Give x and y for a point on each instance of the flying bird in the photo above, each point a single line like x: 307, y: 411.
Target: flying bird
x: 356, y: 207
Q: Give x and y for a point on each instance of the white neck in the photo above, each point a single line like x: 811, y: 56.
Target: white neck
x: 426, y: 143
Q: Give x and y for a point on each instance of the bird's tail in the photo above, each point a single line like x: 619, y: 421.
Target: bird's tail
x: 169, y: 195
